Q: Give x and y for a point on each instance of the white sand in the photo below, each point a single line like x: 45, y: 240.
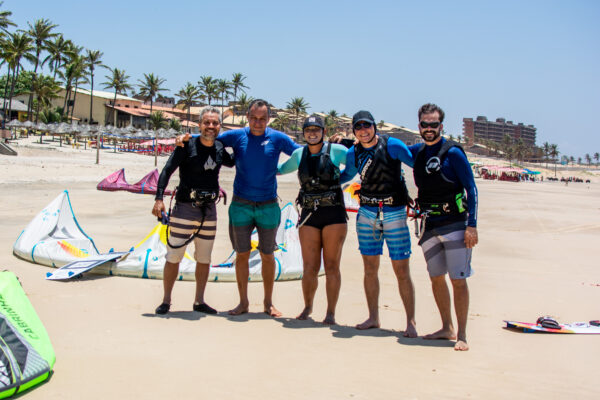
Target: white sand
x: 537, y: 255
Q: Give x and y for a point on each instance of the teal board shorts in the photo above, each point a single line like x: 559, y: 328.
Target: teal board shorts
x: 245, y: 215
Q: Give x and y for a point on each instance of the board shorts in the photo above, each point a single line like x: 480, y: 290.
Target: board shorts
x: 245, y: 215
x: 183, y: 223
x: 445, y: 251
x: 324, y: 216
x: 372, y: 233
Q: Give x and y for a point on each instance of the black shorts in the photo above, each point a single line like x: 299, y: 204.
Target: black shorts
x: 324, y: 216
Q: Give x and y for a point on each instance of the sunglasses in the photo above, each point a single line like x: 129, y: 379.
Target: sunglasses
x: 362, y: 125
x: 426, y: 125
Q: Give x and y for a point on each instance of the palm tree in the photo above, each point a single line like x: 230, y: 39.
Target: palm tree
x: 92, y: 59
x: 150, y: 87
x: 596, y: 157
x: 157, y: 121
x: 188, y: 95
x: 40, y: 32
x: 297, y: 105
x: 58, y: 51
x: 206, y: 86
x: 17, y: 47
x: 588, y: 159
x: 224, y: 89
x: 243, y: 103
x: 237, y: 83
x: 554, y: 153
x: 546, y: 150
x: 175, y: 124
x: 5, y: 22
x: 118, y: 82
x: 280, y: 122
x: 572, y: 159
x: 45, y: 89
x: 80, y: 77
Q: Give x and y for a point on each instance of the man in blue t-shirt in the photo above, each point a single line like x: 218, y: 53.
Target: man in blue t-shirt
x: 254, y: 204
x: 442, y: 174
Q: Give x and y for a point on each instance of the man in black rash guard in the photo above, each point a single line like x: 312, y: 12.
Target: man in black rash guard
x: 199, y: 162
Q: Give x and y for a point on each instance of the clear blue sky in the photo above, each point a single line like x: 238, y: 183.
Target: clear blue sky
x: 535, y: 62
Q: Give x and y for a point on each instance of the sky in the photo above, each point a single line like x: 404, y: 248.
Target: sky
x: 535, y: 62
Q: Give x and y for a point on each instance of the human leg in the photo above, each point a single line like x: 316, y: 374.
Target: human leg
x: 461, y: 306
x: 333, y: 237
x: 370, y: 243
x: 407, y: 293
x: 397, y: 237
x: 371, y: 284
x: 310, y: 243
x: 240, y: 232
x: 267, y: 218
x: 169, y: 277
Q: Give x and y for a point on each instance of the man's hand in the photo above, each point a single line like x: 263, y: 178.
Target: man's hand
x: 158, y: 209
x: 471, y: 237
x: 182, y: 138
x: 336, y: 138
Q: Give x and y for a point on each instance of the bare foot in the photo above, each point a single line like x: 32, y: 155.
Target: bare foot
x: 273, y: 312
x: 368, y: 324
x: 329, y: 319
x: 239, y: 310
x: 444, y: 334
x: 304, y: 314
x: 461, y: 345
x: 411, y: 330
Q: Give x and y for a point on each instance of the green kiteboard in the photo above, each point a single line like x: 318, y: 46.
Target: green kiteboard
x: 26, y: 356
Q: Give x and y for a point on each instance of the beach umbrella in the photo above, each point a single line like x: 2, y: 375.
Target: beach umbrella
x: 15, y: 123
x: 28, y: 124
x: 41, y: 126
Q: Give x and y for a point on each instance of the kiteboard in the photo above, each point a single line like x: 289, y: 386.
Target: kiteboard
x: 591, y: 327
x: 78, y: 267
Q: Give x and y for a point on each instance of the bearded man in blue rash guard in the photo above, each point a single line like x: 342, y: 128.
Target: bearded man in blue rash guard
x: 382, y: 213
x: 442, y: 174
x: 254, y: 204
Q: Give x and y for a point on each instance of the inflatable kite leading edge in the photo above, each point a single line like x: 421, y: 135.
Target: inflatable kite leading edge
x: 27, y: 356
x: 54, y: 238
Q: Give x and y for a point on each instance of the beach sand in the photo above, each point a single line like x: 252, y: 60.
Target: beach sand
x: 536, y: 257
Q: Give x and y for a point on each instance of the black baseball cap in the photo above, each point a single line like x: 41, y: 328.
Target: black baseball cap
x: 313, y: 120
x: 363, y: 116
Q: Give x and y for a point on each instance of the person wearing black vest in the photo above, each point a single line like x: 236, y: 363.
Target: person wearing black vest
x: 322, y: 222
x: 442, y: 174
x: 194, y: 216
x: 382, y: 213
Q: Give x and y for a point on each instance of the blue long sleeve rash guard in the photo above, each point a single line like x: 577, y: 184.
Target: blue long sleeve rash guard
x: 456, y: 168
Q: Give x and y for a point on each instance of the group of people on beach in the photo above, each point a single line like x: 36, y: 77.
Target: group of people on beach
x: 446, y: 205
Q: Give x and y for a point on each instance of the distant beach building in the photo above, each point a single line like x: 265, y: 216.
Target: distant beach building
x: 480, y: 129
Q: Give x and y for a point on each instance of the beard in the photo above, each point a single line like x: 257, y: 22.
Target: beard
x: 435, y: 136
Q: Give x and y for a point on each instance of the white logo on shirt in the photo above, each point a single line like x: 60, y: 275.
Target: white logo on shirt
x: 266, y: 142
x: 433, y: 165
x: 210, y: 164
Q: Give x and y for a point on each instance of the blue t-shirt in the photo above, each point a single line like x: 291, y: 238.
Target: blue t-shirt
x: 455, y: 168
x: 256, y: 160
x: 397, y: 150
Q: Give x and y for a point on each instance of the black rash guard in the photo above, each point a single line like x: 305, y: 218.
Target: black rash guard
x: 198, y: 165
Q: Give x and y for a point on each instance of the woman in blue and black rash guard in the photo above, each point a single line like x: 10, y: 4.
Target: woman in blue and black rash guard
x: 322, y: 223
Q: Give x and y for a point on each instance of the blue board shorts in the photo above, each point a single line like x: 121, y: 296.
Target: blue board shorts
x: 372, y: 233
